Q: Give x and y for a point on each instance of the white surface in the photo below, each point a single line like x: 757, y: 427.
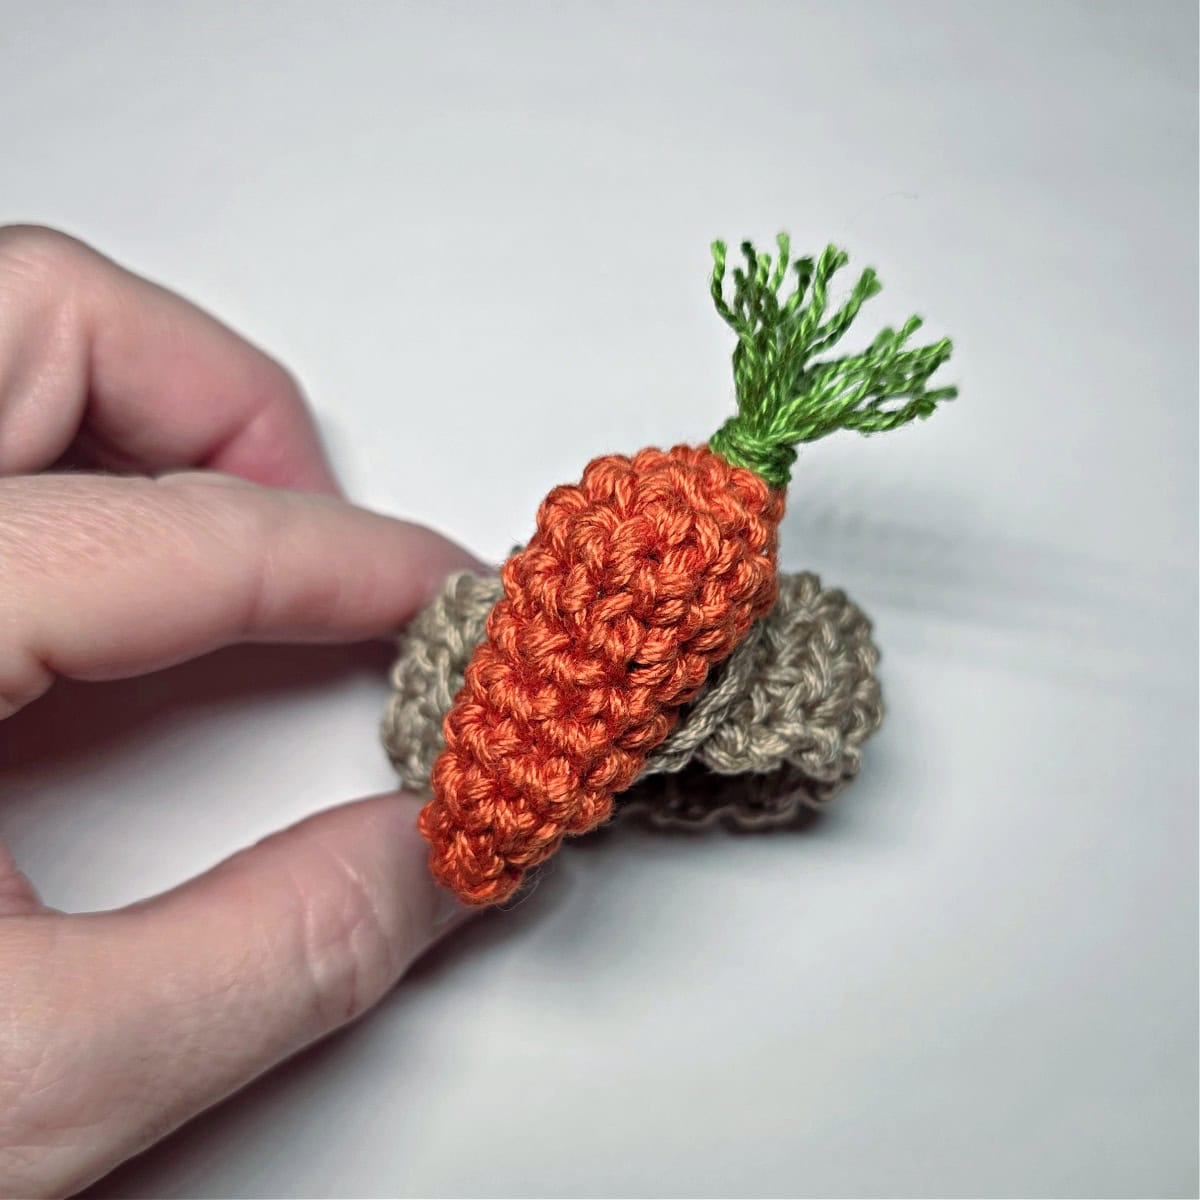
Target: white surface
x: 471, y: 227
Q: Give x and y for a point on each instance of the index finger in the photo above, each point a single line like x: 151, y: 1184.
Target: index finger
x: 94, y: 355
x: 108, y: 577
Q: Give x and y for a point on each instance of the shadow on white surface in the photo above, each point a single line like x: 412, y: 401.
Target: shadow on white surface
x: 944, y: 573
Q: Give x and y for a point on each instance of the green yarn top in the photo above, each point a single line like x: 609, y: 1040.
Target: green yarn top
x: 785, y: 397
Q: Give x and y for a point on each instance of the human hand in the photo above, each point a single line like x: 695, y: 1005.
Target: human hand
x: 116, y: 1027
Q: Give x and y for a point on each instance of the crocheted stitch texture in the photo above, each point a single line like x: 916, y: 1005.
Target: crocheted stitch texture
x: 637, y: 580
x: 783, y: 720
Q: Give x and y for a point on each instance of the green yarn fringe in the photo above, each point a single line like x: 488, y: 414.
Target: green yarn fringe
x: 785, y: 397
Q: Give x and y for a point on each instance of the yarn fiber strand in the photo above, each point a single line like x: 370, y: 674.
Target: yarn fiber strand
x: 642, y: 577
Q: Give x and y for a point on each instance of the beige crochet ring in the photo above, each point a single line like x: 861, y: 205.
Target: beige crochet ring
x: 776, y: 732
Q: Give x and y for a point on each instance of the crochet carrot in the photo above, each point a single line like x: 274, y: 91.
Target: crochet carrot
x: 646, y: 574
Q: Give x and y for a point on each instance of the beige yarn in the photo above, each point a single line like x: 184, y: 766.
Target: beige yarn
x: 777, y: 730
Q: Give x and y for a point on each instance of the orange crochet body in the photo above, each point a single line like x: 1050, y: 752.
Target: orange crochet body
x: 638, y: 580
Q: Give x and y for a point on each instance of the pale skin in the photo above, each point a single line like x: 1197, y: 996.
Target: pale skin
x: 205, y: 515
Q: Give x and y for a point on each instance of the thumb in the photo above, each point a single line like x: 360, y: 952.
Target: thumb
x: 117, y: 1027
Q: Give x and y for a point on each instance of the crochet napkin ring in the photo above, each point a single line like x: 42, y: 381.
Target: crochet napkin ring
x: 782, y: 721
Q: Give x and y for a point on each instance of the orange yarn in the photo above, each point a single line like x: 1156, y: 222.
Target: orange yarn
x: 638, y: 579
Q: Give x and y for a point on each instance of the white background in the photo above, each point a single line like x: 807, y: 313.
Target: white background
x: 478, y: 233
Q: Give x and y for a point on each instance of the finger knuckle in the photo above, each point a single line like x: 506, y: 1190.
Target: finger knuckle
x: 40, y: 254
x: 66, y: 540
x: 44, y: 1113
x: 350, y: 955
x: 55, y: 526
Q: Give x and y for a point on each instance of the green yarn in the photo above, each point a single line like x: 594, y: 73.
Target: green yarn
x: 784, y: 397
